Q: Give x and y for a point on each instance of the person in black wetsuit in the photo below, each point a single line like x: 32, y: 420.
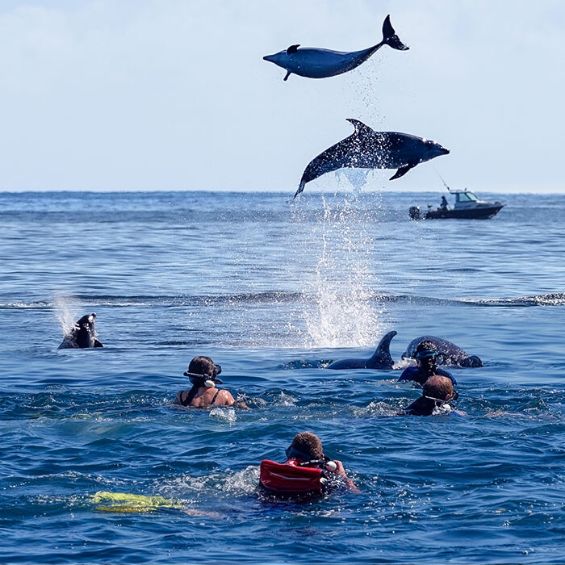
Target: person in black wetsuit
x: 443, y: 205
x: 203, y: 374
x: 437, y: 392
x: 426, y: 359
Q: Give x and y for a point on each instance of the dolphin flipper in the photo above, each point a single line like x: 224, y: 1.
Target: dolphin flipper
x: 382, y: 358
x: 390, y: 37
x: 402, y: 171
x: 288, y: 73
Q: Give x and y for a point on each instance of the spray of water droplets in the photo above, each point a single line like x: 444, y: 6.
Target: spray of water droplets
x: 339, y: 295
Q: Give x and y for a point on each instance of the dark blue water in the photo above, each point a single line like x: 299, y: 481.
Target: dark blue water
x: 272, y: 291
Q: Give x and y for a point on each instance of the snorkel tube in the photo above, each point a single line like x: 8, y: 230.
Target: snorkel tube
x: 202, y: 372
x: 302, y: 459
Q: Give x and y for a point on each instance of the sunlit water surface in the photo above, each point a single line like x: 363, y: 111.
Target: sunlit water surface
x: 273, y: 290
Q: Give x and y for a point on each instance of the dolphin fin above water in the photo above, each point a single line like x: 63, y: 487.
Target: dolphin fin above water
x: 381, y: 358
x: 360, y: 127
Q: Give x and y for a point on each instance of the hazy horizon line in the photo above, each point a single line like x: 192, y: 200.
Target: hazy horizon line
x: 284, y: 192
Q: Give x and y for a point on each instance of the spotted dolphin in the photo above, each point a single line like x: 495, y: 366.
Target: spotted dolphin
x: 322, y: 63
x: 381, y: 359
x: 448, y: 353
x: 370, y: 149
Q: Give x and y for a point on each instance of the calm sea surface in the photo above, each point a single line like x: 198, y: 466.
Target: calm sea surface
x: 273, y: 291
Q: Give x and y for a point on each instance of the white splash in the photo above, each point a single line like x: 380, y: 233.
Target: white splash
x: 344, y: 312
x: 65, y: 307
x: 356, y: 177
x: 227, y: 415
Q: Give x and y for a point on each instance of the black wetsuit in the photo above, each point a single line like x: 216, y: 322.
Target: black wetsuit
x: 420, y: 375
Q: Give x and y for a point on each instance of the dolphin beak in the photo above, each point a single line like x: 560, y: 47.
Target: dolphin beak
x: 268, y: 58
x: 444, y: 151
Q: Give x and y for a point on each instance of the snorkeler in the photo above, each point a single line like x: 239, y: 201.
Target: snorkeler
x: 203, y: 374
x: 426, y: 359
x: 437, y: 392
x: 305, y: 456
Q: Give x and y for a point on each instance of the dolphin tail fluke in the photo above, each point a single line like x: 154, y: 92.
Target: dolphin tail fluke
x: 390, y: 37
x: 382, y: 357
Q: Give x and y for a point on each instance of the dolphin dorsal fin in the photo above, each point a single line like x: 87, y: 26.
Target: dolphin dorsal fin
x: 360, y: 127
x: 292, y: 49
x: 382, y: 358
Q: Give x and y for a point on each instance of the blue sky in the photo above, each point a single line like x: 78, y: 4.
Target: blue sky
x: 174, y: 94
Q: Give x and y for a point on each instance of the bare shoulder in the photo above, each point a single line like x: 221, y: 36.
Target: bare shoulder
x: 226, y: 397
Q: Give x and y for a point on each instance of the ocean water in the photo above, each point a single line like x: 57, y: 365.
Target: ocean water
x: 273, y: 290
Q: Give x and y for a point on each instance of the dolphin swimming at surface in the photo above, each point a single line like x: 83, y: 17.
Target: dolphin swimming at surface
x: 448, y: 352
x: 366, y: 148
x: 381, y: 358
x: 322, y: 63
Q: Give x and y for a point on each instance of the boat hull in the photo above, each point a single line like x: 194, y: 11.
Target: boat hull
x: 477, y: 213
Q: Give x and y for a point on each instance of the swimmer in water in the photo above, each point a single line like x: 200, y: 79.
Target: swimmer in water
x: 306, y: 451
x: 203, y: 374
x: 437, y: 392
x: 426, y: 359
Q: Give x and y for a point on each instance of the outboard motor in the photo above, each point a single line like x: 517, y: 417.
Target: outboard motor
x: 414, y: 213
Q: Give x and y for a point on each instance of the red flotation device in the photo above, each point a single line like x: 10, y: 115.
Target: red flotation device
x: 291, y: 479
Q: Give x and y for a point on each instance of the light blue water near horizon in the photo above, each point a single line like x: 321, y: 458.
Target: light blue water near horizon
x: 272, y: 290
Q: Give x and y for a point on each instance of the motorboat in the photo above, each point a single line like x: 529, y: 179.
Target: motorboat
x: 466, y: 206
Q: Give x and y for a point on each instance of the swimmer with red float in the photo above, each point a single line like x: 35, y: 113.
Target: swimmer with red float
x: 307, y: 470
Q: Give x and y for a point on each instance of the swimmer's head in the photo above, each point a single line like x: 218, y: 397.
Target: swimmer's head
x: 426, y: 354
x: 202, y: 371
x: 306, y: 446
x: 440, y: 388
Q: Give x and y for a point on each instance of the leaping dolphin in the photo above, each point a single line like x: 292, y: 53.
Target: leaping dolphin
x: 322, y: 63
x: 370, y: 149
x: 381, y: 359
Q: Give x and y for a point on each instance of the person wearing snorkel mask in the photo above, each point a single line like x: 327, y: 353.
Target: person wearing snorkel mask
x: 426, y: 359
x: 437, y: 392
x: 203, y: 374
x: 306, y: 451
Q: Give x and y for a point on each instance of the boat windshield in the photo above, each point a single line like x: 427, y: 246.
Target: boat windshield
x: 465, y: 197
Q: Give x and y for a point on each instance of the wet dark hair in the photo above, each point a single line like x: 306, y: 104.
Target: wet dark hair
x: 307, y: 446
x: 200, y: 370
x: 204, y: 366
